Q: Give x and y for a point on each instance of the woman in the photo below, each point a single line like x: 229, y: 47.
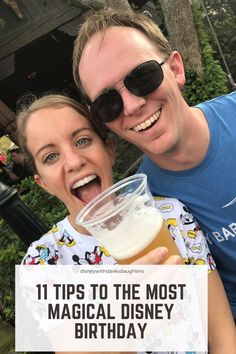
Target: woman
x: 72, y: 159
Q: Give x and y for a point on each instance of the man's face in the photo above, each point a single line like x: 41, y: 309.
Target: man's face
x: 107, y: 59
x: 15, y: 157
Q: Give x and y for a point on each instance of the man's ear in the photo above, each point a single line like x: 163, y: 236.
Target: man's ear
x: 40, y: 182
x: 177, y: 67
x: 111, y: 150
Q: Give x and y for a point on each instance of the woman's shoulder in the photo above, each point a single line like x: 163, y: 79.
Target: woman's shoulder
x: 45, y: 249
x: 170, y: 206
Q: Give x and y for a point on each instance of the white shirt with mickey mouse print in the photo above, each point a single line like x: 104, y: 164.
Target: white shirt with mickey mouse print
x: 64, y: 245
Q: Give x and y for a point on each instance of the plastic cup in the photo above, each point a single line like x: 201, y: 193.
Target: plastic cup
x: 126, y: 221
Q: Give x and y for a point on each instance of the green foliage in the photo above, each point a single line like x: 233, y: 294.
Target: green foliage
x: 222, y: 15
x: 11, y: 254
x: 213, y: 81
x: 49, y: 210
x: 117, y: 176
x: 6, y: 339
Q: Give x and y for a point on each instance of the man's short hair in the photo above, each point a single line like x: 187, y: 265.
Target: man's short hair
x: 100, y: 21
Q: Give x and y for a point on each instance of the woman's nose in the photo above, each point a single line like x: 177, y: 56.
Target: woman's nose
x: 73, y: 160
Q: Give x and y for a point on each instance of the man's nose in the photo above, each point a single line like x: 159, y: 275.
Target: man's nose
x: 132, y: 104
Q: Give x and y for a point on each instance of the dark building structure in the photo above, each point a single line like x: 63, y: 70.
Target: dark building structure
x: 36, y: 41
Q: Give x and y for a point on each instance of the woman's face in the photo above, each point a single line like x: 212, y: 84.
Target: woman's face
x: 72, y: 161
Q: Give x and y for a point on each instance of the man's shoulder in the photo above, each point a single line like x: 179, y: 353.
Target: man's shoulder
x: 17, y: 168
x: 169, y: 203
x: 21, y: 170
x: 229, y: 98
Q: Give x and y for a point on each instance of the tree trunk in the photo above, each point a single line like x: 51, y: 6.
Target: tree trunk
x: 182, y: 33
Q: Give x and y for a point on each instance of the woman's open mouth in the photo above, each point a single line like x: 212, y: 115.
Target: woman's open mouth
x: 87, y: 188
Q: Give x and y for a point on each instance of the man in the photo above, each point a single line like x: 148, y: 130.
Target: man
x: 132, y: 81
x: 19, y: 170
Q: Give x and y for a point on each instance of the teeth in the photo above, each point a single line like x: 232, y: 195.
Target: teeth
x: 84, y: 181
x: 147, y: 122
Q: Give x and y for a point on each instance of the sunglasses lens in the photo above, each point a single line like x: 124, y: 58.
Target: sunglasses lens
x: 107, y: 107
x: 145, y: 78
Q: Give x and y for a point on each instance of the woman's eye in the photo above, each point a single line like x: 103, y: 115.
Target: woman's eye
x: 49, y: 158
x: 82, y: 141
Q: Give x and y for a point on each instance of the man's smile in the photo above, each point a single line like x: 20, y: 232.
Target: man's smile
x: 148, y: 122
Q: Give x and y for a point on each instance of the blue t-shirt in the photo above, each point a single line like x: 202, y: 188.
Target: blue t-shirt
x: 209, y: 190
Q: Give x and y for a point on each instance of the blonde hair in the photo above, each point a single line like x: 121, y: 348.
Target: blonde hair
x: 102, y: 20
x: 52, y: 100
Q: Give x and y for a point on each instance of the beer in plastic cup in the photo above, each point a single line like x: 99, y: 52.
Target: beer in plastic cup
x: 125, y: 219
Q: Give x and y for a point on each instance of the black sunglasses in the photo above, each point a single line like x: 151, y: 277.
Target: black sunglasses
x: 141, y: 81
